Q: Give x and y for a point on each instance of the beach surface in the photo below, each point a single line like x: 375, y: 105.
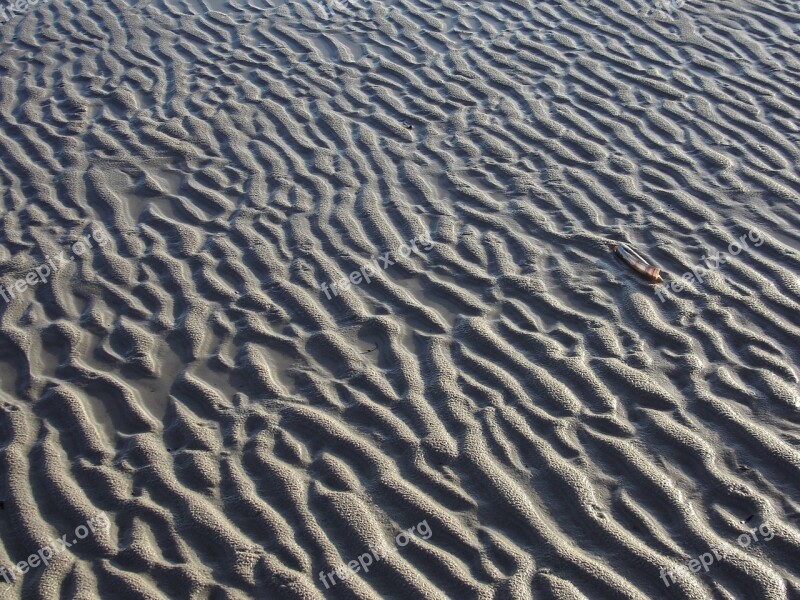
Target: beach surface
x: 310, y: 300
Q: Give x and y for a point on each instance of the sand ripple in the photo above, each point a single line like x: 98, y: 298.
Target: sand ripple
x: 564, y: 432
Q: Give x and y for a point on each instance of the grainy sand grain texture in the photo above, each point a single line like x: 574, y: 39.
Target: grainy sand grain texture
x: 563, y: 431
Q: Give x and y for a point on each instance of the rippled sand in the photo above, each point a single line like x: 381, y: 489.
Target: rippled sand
x: 563, y: 432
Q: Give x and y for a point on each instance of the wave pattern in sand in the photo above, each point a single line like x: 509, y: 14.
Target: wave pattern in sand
x: 564, y: 433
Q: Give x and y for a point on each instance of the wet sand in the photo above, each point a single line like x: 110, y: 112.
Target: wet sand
x: 563, y: 431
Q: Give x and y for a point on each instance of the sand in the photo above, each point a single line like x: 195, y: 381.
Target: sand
x: 565, y: 428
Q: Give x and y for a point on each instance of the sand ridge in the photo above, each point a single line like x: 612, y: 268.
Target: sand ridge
x: 564, y: 433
